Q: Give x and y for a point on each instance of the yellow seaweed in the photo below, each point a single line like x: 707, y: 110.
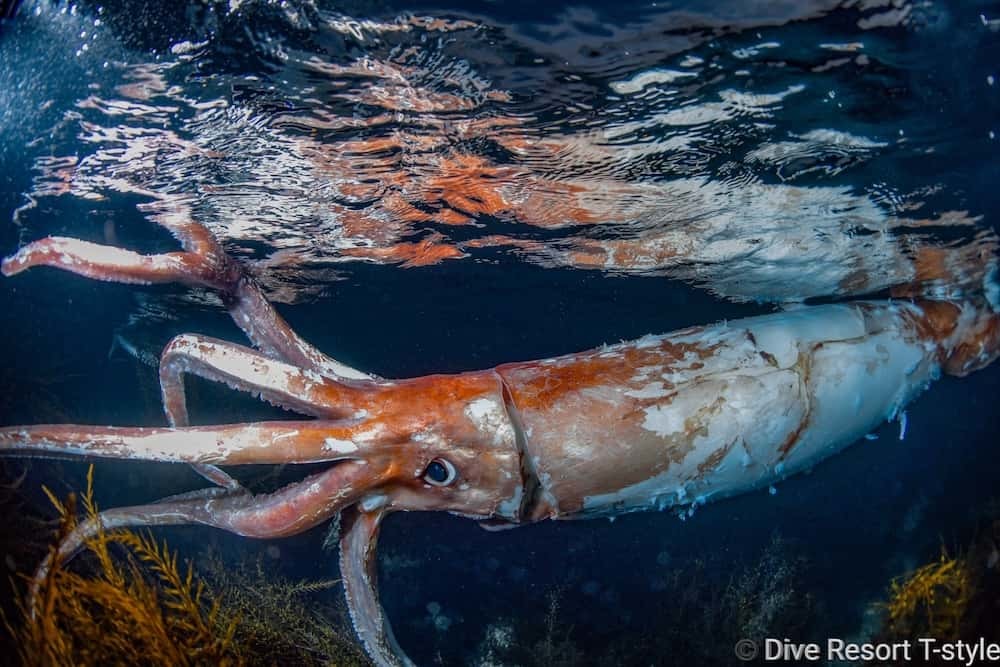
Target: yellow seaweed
x: 137, y: 607
x: 134, y: 603
x: 932, y: 601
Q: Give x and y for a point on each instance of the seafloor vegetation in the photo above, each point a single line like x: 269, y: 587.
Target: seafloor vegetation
x: 951, y: 598
x: 127, y: 600
x: 699, y: 619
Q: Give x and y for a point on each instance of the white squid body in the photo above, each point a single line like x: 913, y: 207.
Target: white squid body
x: 710, y: 412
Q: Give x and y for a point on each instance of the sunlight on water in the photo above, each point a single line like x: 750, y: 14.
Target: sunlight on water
x: 734, y: 154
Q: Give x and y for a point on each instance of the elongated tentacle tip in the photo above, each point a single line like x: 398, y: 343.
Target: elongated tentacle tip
x: 13, y: 264
x: 33, y: 254
x: 93, y: 260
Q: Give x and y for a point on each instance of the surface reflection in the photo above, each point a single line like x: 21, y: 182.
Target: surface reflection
x: 727, y: 152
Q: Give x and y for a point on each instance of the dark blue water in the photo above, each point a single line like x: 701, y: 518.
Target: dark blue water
x: 306, y: 139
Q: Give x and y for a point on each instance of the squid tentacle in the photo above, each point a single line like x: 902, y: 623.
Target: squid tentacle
x: 112, y: 264
x: 281, y: 384
x: 242, y: 369
x: 177, y: 416
x: 288, y: 511
x: 358, y: 543
x: 270, y: 443
x: 204, y: 263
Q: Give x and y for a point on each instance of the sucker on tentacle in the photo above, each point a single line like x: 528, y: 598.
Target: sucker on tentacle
x: 663, y: 421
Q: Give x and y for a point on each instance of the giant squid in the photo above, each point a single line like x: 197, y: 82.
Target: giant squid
x: 665, y: 421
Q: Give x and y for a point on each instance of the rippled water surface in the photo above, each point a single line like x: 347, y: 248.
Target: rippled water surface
x: 441, y: 187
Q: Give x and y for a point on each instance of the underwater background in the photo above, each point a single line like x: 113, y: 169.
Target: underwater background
x: 362, y: 157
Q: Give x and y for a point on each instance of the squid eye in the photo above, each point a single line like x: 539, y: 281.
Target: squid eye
x: 440, y: 473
